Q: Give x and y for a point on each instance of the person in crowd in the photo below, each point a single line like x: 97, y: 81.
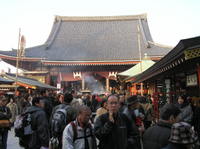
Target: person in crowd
x: 157, y: 136
x: 94, y: 103
x: 71, y: 114
x: 196, y: 116
x: 79, y: 133
x: 148, y: 112
x: 182, y: 137
x: 122, y: 102
x: 87, y: 100
x: 77, y: 101
x: 113, y: 129
x: 102, y: 110
x: 135, y: 112
x: 135, y: 116
x: 5, y: 115
x: 14, y: 110
x: 186, y: 110
x: 39, y: 139
x: 48, y: 103
x: 24, y: 103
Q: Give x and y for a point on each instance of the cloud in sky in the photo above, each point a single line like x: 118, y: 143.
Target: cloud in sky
x: 169, y: 20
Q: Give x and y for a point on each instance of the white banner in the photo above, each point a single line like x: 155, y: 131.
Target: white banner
x: 192, y: 80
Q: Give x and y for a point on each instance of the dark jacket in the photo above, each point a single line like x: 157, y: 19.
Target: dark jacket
x: 39, y: 124
x: 5, y: 114
x: 175, y: 146
x: 118, y: 135
x: 157, y: 136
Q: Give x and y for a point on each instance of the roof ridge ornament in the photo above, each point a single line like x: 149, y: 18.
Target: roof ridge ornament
x: 159, y: 45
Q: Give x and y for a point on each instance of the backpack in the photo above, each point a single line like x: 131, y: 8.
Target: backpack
x: 58, y: 124
x: 22, y: 128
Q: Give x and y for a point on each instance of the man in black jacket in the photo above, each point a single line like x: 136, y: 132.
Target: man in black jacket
x: 39, y: 124
x: 5, y: 114
x: 114, y: 129
x: 158, y: 135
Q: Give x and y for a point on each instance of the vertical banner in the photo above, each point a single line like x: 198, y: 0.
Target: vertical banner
x: 59, y: 80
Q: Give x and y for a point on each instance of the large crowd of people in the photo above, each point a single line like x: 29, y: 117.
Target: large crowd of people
x: 71, y: 121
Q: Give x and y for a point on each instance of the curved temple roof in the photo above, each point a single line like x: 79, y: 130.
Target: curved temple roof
x: 106, y: 38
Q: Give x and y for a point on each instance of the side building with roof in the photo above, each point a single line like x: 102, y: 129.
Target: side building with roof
x: 88, y: 52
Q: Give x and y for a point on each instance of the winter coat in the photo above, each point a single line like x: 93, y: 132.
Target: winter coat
x: 40, y: 127
x: 14, y: 110
x: 100, y: 111
x: 5, y: 114
x: 157, y: 136
x: 186, y: 113
x: 175, y: 146
x: 79, y: 142
x: 117, y: 135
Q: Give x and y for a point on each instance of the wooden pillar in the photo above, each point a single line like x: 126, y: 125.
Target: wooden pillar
x: 48, y: 78
x: 107, y: 84
x: 198, y: 71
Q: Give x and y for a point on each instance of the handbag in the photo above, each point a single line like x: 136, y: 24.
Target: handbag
x: 5, y: 123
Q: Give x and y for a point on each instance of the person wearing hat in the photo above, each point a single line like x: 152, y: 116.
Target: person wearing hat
x: 5, y: 115
x: 136, y: 111
x: 157, y: 136
x: 182, y: 137
x: 133, y: 113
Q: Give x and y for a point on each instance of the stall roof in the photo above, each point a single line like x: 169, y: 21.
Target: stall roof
x: 5, y: 81
x: 137, y: 69
x: 175, y: 57
x: 29, y: 82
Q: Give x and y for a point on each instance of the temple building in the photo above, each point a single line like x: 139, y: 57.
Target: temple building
x: 87, y: 52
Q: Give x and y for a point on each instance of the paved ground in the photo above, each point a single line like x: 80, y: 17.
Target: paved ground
x: 12, y: 141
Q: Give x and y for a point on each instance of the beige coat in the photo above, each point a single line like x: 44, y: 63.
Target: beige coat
x: 99, y: 112
x: 14, y: 111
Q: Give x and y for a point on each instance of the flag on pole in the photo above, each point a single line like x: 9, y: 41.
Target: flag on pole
x: 22, y: 46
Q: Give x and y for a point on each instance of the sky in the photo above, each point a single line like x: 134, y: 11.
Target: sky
x: 169, y: 20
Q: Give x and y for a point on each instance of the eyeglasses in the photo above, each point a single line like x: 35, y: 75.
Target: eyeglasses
x: 113, y: 103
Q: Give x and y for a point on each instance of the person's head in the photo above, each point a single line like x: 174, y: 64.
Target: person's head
x: 132, y: 102
x: 113, y: 103
x: 121, y: 99
x: 68, y: 97
x: 94, y: 97
x: 60, y: 97
x: 3, y: 101
x: 12, y: 100
x: 181, y: 99
x: 74, y: 93
x: 169, y: 112
x: 103, y: 103
x: 37, y: 101
x: 182, y: 134
x: 84, y: 114
x: 43, y: 93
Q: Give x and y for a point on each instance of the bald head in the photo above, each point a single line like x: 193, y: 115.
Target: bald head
x: 113, y: 104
